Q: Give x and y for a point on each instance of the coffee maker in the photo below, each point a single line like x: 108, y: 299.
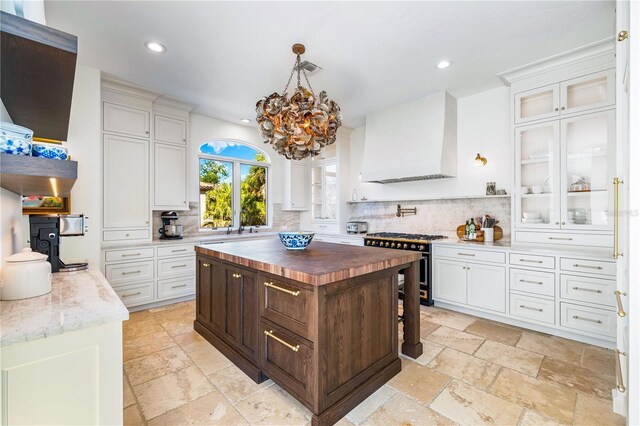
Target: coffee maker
x: 45, y: 232
x: 170, y: 230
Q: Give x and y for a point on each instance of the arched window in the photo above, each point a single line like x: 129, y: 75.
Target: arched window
x: 233, y: 184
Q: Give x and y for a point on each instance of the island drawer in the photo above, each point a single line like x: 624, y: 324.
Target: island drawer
x: 529, y: 260
x: 176, y: 267
x: 588, y: 319
x: 593, y: 290
x: 136, y: 294
x: 168, y: 289
x: 536, y: 282
x: 533, y: 308
x: 128, y: 254
x: 588, y: 266
x: 286, y: 302
x: 287, y: 359
x: 177, y: 250
x: 470, y: 254
x: 122, y: 273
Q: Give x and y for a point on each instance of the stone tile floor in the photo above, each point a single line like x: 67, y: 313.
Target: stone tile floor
x: 472, y: 372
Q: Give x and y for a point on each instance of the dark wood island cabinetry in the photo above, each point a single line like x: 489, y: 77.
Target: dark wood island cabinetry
x: 322, y: 323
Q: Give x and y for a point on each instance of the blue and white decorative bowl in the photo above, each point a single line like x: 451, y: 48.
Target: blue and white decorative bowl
x: 296, y: 240
x: 14, y: 139
x: 55, y: 152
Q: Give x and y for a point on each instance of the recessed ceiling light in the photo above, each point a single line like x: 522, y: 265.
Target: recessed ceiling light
x: 154, y: 46
x: 443, y: 64
x: 245, y: 120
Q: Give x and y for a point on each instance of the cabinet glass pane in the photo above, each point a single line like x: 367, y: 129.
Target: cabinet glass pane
x: 331, y: 188
x: 316, y: 192
x: 537, y: 175
x: 587, y: 92
x: 539, y: 103
x: 587, y: 172
x: 253, y: 195
x: 215, y: 193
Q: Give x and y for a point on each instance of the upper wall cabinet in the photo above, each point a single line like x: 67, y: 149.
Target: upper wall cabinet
x: 567, y: 97
x: 169, y: 129
x: 296, y: 186
x: 125, y: 120
x: 169, y: 177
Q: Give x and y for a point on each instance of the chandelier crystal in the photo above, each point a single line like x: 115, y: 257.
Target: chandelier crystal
x: 299, y: 126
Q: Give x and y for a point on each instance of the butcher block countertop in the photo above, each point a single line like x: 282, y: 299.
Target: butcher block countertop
x: 321, y: 263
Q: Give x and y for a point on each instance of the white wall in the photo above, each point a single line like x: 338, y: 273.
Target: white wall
x: 483, y: 127
x: 203, y: 128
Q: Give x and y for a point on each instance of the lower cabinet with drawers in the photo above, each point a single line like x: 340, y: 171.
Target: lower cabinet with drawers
x: 320, y: 343
x: 151, y: 274
x: 555, y: 293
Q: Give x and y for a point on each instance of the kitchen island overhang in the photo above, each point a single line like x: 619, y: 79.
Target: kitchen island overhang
x: 322, y: 323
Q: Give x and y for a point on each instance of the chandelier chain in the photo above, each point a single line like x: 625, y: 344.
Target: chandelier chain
x: 286, y: 87
x: 308, y: 83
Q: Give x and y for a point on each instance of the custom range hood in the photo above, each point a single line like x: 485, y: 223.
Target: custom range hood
x: 412, y: 141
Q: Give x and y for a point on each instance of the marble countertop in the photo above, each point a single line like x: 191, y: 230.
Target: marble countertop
x: 77, y: 300
x: 507, y: 245
x: 196, y: 239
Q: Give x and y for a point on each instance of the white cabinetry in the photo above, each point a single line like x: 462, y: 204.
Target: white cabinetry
x: 169, y: 129
x: 295, y: 195
x: 575, y: 95
x: 126, y: 182
x: 170, y: 135
x: 565, y: 148
x: 169, y: 176
x: 125, y: 120
x: 564, y: 293
x: 145, y: 275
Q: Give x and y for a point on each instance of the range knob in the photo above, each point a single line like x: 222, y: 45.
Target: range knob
x: 422, y: 248
x: 368, y: 243
x: 386, y: 244
x: 405, y: 246
x: 373, y: 243
x: 413, y: 246
x: 393, y: 245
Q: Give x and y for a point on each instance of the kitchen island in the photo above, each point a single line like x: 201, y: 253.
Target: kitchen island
x: 322, y: 323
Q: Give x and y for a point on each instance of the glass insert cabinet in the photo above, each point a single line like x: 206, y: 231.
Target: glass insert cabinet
x: 564, y: 173
x: 324, y: 191
x: 567, y: 97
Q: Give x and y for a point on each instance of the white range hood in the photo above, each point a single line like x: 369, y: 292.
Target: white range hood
x: 412, y: 141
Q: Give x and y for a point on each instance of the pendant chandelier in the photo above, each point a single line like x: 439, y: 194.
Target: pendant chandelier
x: 299, y: 126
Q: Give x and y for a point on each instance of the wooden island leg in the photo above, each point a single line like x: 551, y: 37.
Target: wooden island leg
x: 412, y: 347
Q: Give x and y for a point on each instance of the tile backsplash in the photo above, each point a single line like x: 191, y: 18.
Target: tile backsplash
x: 433, y: 216
x: 190, y: 220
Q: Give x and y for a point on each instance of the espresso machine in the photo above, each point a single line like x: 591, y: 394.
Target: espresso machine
x: 45, y: 232
x: 170, y: 230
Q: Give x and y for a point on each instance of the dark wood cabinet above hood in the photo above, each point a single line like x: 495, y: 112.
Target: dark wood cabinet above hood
x: 37, y: 72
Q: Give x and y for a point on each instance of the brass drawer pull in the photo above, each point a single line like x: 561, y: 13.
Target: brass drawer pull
x: 131, y: 254
x: 587, y: 289
x: 466, y: 254
x: 587, y: 319
x: 577, y: 265
x: 531, y: 261
x: 131, y: 294
x: 131, y: 272
x: 621, y: 312
x: 175, y: 251
x: 236, y: 275
x: 616, y: 215
x: 561, y: 238
x: 619, y: 377
x: 532, y: 282
x: 530, y: 308
x: 206, y: 265
x: 179, y: 266
x: 275, y: 287
x: 179, y: 286
x: 274, y: 337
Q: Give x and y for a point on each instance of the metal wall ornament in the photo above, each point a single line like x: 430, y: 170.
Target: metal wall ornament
x: 300, y: 126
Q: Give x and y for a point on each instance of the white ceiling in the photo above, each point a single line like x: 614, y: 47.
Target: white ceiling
x: 224, y: 56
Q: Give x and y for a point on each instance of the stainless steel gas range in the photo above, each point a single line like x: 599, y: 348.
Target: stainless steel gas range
x: 413, y: 242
